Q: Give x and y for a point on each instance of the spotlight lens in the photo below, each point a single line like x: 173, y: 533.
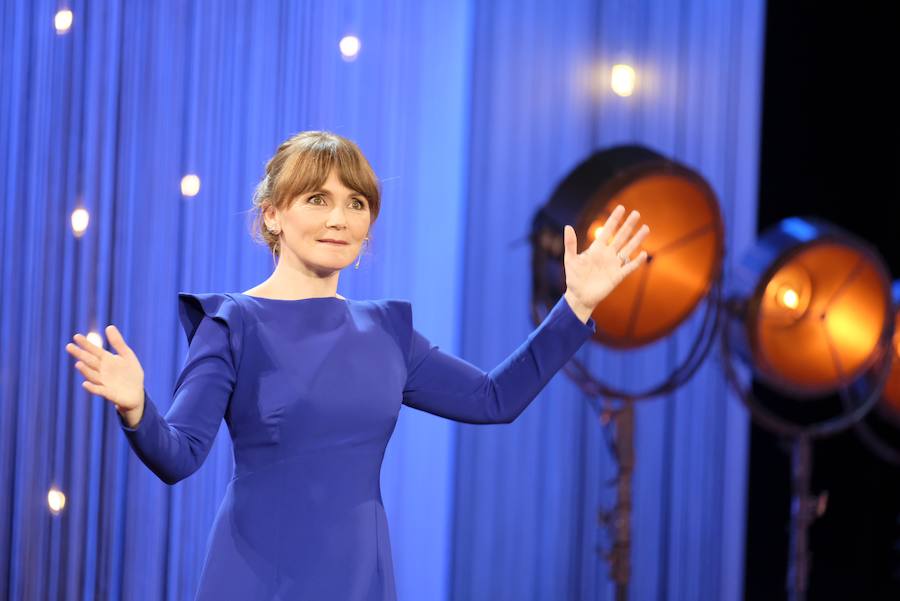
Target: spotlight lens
x: 684, y: 250
x: 821, y: 315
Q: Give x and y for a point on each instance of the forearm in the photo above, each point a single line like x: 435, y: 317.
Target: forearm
x: 448, y: 386
x: 519, y: 379
x: 166, y: 450
x: 175, y: 446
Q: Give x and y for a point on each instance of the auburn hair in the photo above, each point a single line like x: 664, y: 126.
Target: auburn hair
x: 301, y: 164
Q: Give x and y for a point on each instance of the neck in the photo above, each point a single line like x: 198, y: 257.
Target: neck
x: 299, y: 281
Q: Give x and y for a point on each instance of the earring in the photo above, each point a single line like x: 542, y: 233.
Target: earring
x: 274, y: 262
x: 359, y: 256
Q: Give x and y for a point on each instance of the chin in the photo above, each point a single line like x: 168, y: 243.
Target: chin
x: 328, y: 267
x: 326, y: 261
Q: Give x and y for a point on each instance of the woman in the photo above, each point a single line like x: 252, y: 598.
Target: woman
x: 310, y: 384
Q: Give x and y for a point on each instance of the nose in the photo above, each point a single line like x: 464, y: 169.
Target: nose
x: 336, y: 218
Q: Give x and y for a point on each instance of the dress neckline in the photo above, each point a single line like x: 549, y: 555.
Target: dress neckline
x: 295, y: 300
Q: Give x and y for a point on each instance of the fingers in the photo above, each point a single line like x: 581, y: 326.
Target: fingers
x: 83, y: 356
x: 88, y: 346
x: 624, y: 232
x: 609, y: 228
x: 116, y: 340
x: 570, y: 240
x: 93, y: 388
x: 635, y: 242
x: 89, y: 357
x: 89, y: 374
x: 630, y: 266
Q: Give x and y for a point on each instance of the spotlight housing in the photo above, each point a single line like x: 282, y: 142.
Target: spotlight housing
x: 685, y: 250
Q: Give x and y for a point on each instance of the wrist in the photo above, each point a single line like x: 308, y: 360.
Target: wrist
x: 582, y: 311
x: 131, y: 417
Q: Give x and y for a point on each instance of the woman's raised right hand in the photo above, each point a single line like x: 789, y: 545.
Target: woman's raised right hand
x: 119, y: 378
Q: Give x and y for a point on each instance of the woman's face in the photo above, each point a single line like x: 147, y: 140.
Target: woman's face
x: 323, y: 230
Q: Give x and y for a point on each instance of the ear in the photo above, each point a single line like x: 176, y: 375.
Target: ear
x: 269, y: 215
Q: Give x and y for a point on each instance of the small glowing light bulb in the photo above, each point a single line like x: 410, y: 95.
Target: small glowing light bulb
x: 622, y: 80
x: 595, y: 229
x: 190, y: 185
x: 62, y: 21
x: 349, y: 46
x: 790, y: 298
x: 80, y: 219
x: 95, y: 338
x: 56, y: 500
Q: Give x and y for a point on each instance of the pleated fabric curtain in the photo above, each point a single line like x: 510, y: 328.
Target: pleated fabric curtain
x: 470, y: 112
x: 527, y: 495
x: 109, y: 117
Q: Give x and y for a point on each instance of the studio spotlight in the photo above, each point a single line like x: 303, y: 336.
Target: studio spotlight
x: 816, y: 314
x: 811, y: 314
x: 683, y: 267
x: 684, y: 253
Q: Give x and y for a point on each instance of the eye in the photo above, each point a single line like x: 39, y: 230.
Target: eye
x: 316, y: 199
x: 358, y: 203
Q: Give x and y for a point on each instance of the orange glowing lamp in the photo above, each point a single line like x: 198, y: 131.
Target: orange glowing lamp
x: 684, y: 264
x: 685, y: 248
x: 818, y: 307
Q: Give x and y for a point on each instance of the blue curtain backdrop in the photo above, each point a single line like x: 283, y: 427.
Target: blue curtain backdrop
x: 470, y: 113
x: 527, y: 496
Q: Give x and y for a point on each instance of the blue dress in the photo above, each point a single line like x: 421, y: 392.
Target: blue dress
x: 310, y: 390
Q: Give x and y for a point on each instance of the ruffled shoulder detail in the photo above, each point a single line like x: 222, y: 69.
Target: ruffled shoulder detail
x: 221, y: 307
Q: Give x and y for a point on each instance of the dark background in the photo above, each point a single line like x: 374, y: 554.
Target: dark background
x: 830, y: 148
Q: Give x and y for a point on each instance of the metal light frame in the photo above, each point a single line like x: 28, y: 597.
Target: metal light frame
x: 632, y: 176
x: 859, y: 389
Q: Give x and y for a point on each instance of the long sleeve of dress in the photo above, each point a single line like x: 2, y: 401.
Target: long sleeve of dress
x: 448, y: 386
x: 175, y: 446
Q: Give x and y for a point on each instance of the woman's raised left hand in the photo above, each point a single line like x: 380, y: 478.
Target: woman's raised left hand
x: 592, y: 274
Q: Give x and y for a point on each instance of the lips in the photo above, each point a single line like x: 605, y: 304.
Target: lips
x: 336, y: 242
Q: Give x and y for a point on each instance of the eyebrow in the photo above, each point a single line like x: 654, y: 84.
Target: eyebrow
x: 327, y: 193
